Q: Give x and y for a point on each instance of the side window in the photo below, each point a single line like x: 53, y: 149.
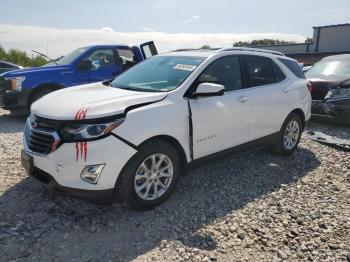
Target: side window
x: 259, y: 71
x: 224, y: 71
x: 293, y: 66
x: 102, y: 58
x: 279, y: 75
x: 126, y: 57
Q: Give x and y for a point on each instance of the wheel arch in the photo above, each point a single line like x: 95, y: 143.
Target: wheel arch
x: 301, y: 114
x: 167, y: 138
x: 173, y: 142
x: 42, y: 87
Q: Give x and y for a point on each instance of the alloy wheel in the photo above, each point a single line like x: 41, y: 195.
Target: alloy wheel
x: 291, y: 134
x: 153, y: 177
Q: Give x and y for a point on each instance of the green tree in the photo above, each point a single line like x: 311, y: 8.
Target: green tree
x: 205, y: 47
x: 308, y: 40
x: 262, y: 42
x: 19, y: 57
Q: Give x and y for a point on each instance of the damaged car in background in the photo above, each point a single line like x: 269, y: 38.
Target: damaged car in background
x: 330, y: 79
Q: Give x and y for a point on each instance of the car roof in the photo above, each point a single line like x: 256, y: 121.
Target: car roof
x: 104, y: 46
x: 206, y: 53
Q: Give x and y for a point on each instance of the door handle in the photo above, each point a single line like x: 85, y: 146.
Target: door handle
x: 286, y: 89
x: 243, y: 99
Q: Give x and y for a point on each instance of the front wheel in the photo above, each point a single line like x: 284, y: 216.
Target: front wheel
x: 150, y: 176
x: 36, y: 96
x: 289, y: 136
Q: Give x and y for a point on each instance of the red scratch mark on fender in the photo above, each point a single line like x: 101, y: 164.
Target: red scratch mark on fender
x: 81, y: 147
x: 85, y: 151
x: 77, y: 152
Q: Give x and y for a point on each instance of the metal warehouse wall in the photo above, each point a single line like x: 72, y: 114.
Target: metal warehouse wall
x: 334, y: 39
x: 327, y: 40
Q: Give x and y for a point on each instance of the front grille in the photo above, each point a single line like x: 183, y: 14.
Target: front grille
x: 40, y: 143
x: 40, y: 135
x: 44, y: 124
x: 319, y: 90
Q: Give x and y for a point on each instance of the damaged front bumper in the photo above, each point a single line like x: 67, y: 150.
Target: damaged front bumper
x: 337, y: 110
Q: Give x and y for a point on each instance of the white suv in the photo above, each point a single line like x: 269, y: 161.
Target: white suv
x: 133, y: 137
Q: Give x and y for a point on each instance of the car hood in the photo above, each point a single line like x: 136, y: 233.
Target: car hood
x: 26, y: 71
x: 90, y: 101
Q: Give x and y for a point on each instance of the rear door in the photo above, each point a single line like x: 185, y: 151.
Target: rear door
x: 272, y: 92
x: 148, y: 49
x: 104, y: 64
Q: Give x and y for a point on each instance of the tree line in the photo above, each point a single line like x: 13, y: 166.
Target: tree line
x: 19, y: 57
x: 262, y: 42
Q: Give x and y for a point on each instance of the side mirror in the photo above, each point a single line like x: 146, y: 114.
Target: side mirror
x: 85, y: 65
x: 208, y: 89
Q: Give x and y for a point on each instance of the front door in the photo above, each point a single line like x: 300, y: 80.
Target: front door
x: 148, y: 49
x: 221, y: 122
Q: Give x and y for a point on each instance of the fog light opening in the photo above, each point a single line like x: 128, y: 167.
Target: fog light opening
x: 92, y: 173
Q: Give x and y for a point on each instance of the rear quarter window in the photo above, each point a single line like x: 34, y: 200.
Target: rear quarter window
x: 294, y: 67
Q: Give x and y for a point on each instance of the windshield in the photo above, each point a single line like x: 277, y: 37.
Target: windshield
x: 66, y: 60
x: 157, y: 74
x: 330, y: 67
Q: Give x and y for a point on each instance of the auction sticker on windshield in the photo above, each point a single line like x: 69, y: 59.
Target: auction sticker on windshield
x: 185, y: 67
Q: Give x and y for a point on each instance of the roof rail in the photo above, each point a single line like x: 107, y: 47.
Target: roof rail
x: 193, y: 49
x: 250, y: 49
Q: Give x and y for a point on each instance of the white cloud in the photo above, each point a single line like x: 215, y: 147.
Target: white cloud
x: 192, y: 19
x: 107, y: 29
x: 62, y: 41
x: 148, y: 29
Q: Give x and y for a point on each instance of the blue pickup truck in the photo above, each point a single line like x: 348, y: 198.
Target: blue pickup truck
x: 20, y: 88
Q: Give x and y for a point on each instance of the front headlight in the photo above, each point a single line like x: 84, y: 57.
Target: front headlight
x: 83, y: 132
x: 16, y: 82
x: 339, y: 93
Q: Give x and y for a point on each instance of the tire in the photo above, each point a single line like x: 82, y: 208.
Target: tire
x: 289, y: 136
x: 36, y: 96
x: 134, y: 175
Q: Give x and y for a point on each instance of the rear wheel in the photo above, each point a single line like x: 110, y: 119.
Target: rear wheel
x: 289, y: 135
x: 150, y: 176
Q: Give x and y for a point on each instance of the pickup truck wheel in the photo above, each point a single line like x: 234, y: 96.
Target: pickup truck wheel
x: 38, y: 95
x: 289, y: 136
x: 150, y: 176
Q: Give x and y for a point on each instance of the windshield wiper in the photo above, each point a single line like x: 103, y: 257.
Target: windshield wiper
x: 51, y: 60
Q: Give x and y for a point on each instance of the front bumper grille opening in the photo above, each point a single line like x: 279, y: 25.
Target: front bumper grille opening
x: 42, y: 176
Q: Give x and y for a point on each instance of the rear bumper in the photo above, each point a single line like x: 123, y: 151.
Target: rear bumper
x: 95, y: 196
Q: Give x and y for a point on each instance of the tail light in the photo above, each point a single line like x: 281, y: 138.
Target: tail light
x: 309, y: 87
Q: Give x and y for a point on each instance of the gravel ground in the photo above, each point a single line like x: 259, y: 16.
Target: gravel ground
x: 251, y: 207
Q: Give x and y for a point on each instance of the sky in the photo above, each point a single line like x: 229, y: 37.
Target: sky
x: 57, y: 27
